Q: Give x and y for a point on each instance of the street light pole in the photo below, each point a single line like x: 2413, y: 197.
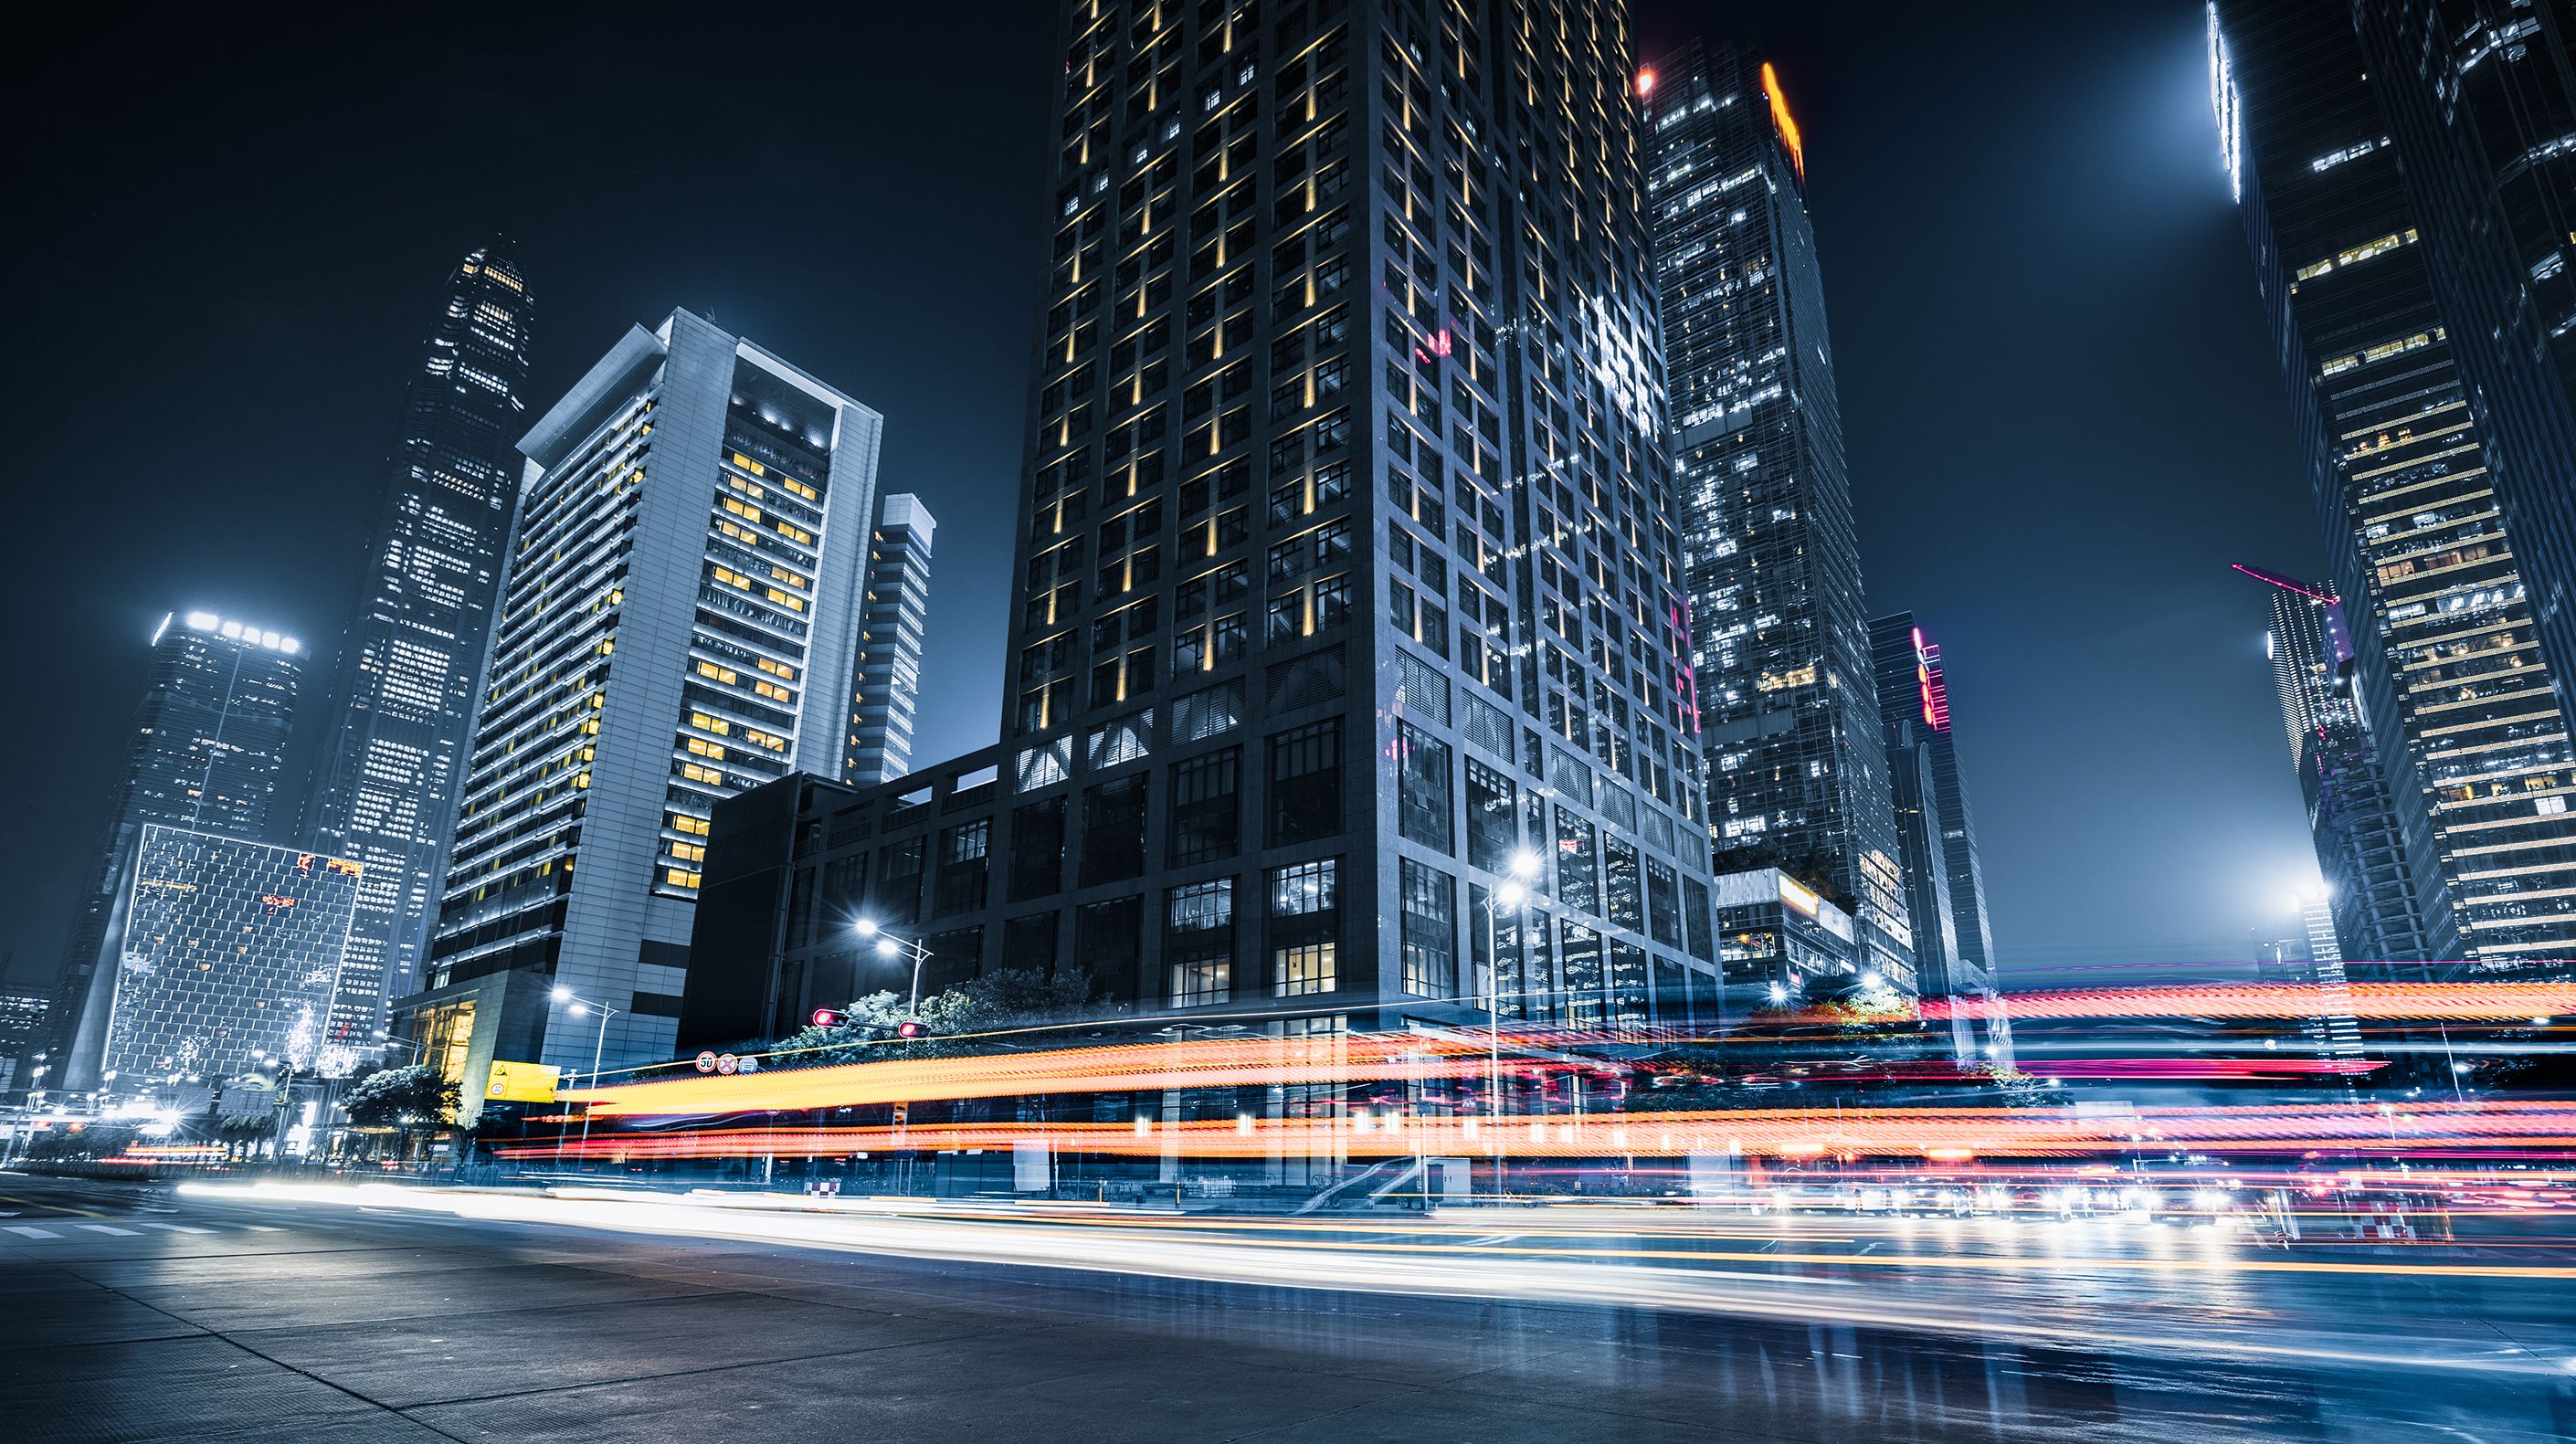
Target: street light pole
x: 887, y: 946
x: 598, y: 1048
x: 1513, y: 894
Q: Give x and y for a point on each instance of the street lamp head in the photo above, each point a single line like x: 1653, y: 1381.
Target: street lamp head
x: 563, y: 995
x: 886, y: 948
x: 867, y: 927
x: 580, y: 1010
x: 1511, y: 894
x: 1525, y: 865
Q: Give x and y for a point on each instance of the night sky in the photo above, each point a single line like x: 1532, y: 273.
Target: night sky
x: 2062, y: 413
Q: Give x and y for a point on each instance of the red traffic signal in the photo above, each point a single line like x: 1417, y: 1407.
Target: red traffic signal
x: 828, y: 1017
x: 909, y: 1028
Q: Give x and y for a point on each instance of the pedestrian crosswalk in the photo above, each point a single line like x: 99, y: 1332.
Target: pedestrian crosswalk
x: 64, y: 1228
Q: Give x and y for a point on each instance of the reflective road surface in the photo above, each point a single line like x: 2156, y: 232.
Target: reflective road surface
x: 132, y: 1312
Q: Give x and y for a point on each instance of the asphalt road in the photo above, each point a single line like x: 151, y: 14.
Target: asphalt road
x: 129, y: 1313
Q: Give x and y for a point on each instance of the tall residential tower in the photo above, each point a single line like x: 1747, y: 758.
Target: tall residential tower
x: 677, y: 624
x: 1798, y: 775
x: 385, y: 787
x: 892, y: 633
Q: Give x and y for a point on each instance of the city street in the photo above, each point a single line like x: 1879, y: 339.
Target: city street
x: 136, y: 1313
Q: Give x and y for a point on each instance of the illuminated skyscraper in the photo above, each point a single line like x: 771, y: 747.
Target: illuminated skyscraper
x: 1350, y: 581
x: 1798, y: 772
x: 219, y: 954
x: 207, y: 744
x: 2479, y: 97
x: 892, y: 632
x: 2369, y: 900
x: 384, y: 790
x: 678, y: 623
x: 2447, y: 615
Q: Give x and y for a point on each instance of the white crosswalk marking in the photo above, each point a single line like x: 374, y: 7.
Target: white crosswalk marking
x: 265, y: 1228
x: 108, y: 1228
x: 189, y: 1228
x: 31, y: 1231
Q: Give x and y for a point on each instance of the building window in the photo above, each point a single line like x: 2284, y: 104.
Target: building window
x: 1492, y: 833
x: 1029, y: 943
x: 1106, y: 937
x: 1113, y: 831
x: 1206, y: 821
x: 899, y: 900
x: 1430, y: 931
x: 1305, y: 968
x: 1663, y: 908
x: 1627, y: 904
x: 1306, y: 783
x: 1198, y: 942
x: 965, y: 867
x: 1305, y: 887
x: 1037, y: 850
x: 1578, y: 883
x: 1422, y: 787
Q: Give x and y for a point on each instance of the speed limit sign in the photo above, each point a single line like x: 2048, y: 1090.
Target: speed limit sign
x: 707, y: 1062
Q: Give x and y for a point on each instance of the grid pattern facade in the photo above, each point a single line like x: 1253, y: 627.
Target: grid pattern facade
x: 677, y: 620
x: 228, y: 950
x: 1914, y: 700
x: 1799, y: 774
x: 2473, y: 737
x: 2360, y: 850
x: 207, y: 744
x: 2480, y: 100
x: 892, y: 635
x: 385, y: 789
x: 1903, y: 672
x: 1347, y: 510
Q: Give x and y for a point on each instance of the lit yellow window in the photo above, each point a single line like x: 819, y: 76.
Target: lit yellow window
x: 800, y: 488
x: 758, y: 738
x: 793, y: 604
x: 696, y: 773
x: 778, y: 669
x: 706, y: 723
x: 747, y: 464
x: 680, y: 877
x: 721, y: 674
x: 703, y: 748
x: 773, y: 691
x: 733, y: 578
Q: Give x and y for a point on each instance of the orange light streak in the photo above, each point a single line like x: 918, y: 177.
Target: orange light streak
x: 1932, y: 1133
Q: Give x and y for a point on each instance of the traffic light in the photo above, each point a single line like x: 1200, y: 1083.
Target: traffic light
x: 829, y: 1017
x: 909, y: 1028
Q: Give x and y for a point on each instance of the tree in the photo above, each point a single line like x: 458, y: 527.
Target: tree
x: 955, y: 1021
x: 408, y: 1100
x: 239, y: 1131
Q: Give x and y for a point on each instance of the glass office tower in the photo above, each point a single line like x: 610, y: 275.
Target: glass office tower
x: 1798, y: 775
x: 2445, y: 616
x: 1347, y: 511
x: 678, y: 624
x: 207, y: 745
x: 385, y: 787
x: 2361, y: 851
x: 221, y: 954
x: 2479, y: 98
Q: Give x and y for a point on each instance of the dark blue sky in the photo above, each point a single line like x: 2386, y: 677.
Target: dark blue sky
x: 2063, y: 418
